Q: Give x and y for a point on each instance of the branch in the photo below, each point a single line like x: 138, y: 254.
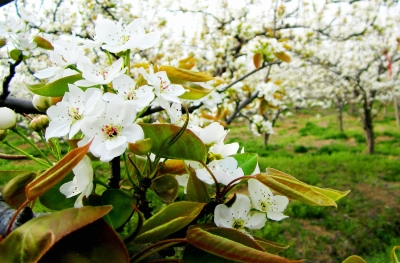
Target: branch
x: 19, y: 105
x: 5, y: 2
x: 7, y: 80
x: 248, y: 74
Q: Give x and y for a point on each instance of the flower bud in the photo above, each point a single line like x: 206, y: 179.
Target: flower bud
x: 8, y: 118
x: 3, y: 135
x: 141, y: 147
x: 43, y: 43
x: 2, y: 42
x: 41, y: 103
x: 39, y: 123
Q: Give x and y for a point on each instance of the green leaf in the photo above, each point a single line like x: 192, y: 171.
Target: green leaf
x: 56, y: 173
x: 56, y: 88
x: 33, y: 239
x: 122, y: 210
x: 197, y: 190
x: 7, y: 175
x: 226, y: 248
x: 15, y: 54
x: 169, y: 220
x: 96, y: 242
x: 14, y: 191
x: 354, y: 259
x: 271, y: 247
x: 54, y: 199
x: 283, y: 56
x: 246, y: 161
x: 166, y: 187
x: 295, y: 189
x: 184, y: 74
x: 194, y: 90
x: 335, y: 195
x: 183, y: 148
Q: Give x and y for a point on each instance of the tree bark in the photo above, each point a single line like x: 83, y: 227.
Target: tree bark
x: 368, y: 127
x: 396, y: 109
x: 340, y: 114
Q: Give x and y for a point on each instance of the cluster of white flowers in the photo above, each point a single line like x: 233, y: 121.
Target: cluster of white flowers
x: 239, y: 217
x: 259, y: 125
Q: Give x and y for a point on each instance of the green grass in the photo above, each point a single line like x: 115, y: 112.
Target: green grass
x: 367, y: 221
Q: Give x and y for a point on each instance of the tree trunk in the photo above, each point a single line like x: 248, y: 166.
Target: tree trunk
x: 340, y: 115
x: 266, y: 138
x: 368, y: 128
x: 396, y: 109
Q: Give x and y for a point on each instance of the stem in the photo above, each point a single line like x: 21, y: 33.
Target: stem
x: 218, y: 194
x: 15, y: 216
x: 97, y: 181
x: 26, y: 154
x: 127, y: 170
x: 109, y: 57
x: 74, y: 68
x: 46, y: 145
x: 115, y: 173
x: 127, y: 61
x: 32, y: 144
x: 230, y: 186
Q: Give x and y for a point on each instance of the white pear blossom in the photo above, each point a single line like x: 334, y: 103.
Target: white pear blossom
x: 164, y: 90
x: 183, y: 181
x: 117, y: 38
x: 220, y: 150
x: 112, y: 131
x: 68, y: 115
x: 224, y: 171
x: 65, y: 53
x: 237, y: 216
x: 82, y: 183
x: 212, y: 134
x: 263, y: 200
x: 94, y: 74
x: 140, y: 97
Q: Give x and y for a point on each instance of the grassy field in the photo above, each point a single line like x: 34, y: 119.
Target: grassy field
x: 311, y: 148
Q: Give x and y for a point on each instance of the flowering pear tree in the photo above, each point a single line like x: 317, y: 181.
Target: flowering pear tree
x: 132, y: 113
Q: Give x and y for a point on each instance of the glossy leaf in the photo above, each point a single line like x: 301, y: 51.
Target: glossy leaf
x: 96, y: 242
x: 354, y: 259
x: 184, y: 74
x: 394, y: 257
x: 169, y: 220
x: 194, y: 90
x: 271, y: 247
x: 283, y: 56
x: 140, y: 147
x: 7, y: 175
x: 56, y: 88
x: 335, y: 195
x: 56, y: 173
x: 14, y: 191
x: 197, y: 190
x: 175, y: 167
x: 33, y: 239
x: 166, y: 187
x: 295, y: 189
x: 54, y: 199
x: 43, y: 43
x: 121, y: 203
x: 246, y: 161
x: 161, y: 134
x: 257, y: 60
x: 229, y: 249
